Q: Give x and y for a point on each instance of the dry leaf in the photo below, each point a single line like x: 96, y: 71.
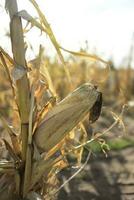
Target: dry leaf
x: 18, y: 72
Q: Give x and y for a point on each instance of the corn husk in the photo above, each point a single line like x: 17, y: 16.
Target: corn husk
x: 62, y: 118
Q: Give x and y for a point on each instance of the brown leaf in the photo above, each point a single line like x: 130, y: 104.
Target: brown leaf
x: 18, y: 72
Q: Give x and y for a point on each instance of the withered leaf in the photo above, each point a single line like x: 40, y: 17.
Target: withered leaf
x: 18, y: 72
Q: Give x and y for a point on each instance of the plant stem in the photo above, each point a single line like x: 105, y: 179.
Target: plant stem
x: 22, y: 82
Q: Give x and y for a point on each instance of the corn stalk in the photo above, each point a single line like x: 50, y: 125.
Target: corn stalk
x: 20, y: 74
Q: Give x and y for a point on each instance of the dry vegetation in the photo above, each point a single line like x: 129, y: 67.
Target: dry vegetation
x: 42, y: 112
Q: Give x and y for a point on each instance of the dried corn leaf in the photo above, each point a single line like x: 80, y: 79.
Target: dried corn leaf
x: 77, y: 136
x: 26, y: 16
x: 13, y: 136
x: 11, y: 151
x: 7, y: 57
x: 83, y: 54
x: 42, y: 168
x: 44, y: 71
x: 18, y: 72
x: 62, y: 118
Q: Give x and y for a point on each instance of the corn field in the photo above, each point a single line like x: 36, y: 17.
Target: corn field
x: 46, y: 109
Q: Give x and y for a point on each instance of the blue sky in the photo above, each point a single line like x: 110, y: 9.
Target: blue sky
x: 108, y: 25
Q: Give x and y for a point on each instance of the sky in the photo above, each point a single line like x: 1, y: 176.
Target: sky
x: 107, y: 25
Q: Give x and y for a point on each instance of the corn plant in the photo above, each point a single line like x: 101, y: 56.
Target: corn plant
x: 39, y: 144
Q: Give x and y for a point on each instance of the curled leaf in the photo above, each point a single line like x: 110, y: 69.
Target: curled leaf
x: 83, y: 54
x: 26, y: 16
x: 18, y: 72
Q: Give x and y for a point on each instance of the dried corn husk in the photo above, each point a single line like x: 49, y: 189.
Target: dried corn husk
x: 62, y: 118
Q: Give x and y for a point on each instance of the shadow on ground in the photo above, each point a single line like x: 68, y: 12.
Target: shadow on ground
x: 103, y: 178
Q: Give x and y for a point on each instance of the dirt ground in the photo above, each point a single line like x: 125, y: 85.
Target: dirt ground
x: 103, y: 178
x: 110, y: 178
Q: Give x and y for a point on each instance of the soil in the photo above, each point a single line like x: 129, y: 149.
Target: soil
x: 110, y: 178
